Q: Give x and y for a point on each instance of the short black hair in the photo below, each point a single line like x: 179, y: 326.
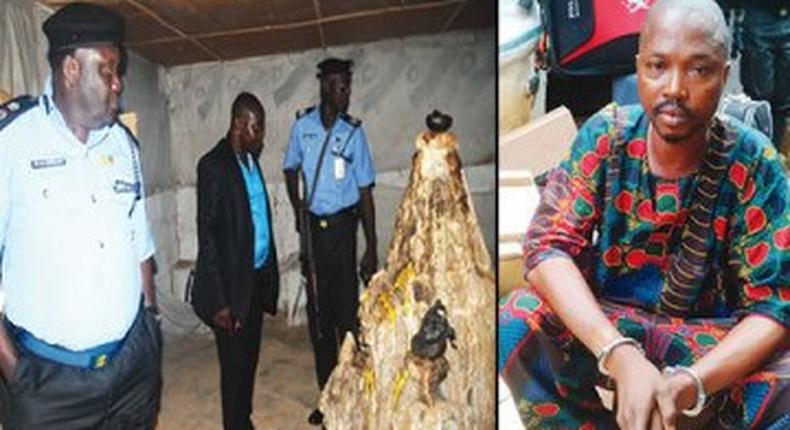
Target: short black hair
x: 333, y: 65
x: 55, y: 58
x: 246, y: 102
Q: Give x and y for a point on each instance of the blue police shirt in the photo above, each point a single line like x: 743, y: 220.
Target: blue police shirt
x: 73, y: 227
x: 347, y: 164
x: 256, y: 193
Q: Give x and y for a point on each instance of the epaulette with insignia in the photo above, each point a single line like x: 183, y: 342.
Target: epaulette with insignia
x: 350, y: 119
x: 15, y: 107
x: 303, y: 112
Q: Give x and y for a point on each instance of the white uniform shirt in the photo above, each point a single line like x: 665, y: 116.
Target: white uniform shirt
x: 73, y: 229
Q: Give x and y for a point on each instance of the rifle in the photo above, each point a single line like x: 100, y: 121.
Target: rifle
x: 305, y: 233
x: 306, y: 256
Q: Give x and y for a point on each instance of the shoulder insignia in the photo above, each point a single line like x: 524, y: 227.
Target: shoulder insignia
x: 304, y: 112
x: 350, y: 119
x: 15, y: 107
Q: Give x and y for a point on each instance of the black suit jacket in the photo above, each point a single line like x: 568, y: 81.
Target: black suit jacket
x: 224, y: 275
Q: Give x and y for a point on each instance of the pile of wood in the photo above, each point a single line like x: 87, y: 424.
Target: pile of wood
x: 424, y: 355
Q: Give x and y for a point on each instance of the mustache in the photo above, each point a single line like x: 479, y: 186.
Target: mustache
x: 673, y: 104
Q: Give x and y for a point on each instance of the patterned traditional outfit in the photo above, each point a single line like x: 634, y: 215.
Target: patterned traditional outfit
x: 675, y: 264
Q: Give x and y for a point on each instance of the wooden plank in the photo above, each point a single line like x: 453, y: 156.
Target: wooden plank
x: 538, y: 145
x: 517, y: 201
x: 510, y: 266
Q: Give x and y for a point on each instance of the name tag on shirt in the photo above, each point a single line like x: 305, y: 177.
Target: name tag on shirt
x: 340, y: 168
x: 46, y: 163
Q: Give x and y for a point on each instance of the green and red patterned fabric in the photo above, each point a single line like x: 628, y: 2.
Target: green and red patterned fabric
x: 624, y: 227
x: 552, y: 375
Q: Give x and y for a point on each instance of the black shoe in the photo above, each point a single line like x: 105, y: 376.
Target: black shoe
x: 316, y: 417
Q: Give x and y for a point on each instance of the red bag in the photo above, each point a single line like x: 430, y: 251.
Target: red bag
x: 593, y: 37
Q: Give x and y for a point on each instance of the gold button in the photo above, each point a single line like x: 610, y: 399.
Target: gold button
x: 101, y: 361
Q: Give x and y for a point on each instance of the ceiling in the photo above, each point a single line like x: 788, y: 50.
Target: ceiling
x: 174, y: 32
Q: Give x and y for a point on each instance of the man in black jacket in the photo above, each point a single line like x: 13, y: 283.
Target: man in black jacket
x: 236, y: 277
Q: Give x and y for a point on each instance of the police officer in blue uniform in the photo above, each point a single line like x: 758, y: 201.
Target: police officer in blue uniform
x: 330, y: 149
x: 80, y: 346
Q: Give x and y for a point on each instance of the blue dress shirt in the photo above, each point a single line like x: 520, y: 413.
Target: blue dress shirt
x: 256, y: 193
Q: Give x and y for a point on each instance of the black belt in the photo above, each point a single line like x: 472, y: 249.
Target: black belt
x: 342, y: 217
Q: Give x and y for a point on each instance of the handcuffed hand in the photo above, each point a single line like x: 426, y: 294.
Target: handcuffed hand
x: 674, y: 394
x: 636, y: 379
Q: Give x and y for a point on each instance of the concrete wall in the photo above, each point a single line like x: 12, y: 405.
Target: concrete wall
x: 396, y: 84
x: 144, y: 96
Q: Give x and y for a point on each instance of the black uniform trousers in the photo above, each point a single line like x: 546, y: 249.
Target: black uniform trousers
x: 123, y: 395
x: 335, y: 252
x: 238, y: 360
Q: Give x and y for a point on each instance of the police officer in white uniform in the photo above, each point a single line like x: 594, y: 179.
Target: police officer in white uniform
x: 80, y: 346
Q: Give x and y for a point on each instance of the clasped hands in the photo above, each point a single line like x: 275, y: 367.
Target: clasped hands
x: 646, y: 399
x: 224, y: 319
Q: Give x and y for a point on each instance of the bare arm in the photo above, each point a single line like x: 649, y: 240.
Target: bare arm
x: 149, y: 293
x: 369, y: 262
x: 292, y: 186
x: 741, y: 352
x: 560, y: 282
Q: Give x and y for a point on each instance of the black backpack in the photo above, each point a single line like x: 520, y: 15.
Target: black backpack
x: 593, y: 37
x: 754, y: 113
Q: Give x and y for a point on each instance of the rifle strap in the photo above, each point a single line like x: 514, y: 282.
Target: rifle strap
x: 311, y: 192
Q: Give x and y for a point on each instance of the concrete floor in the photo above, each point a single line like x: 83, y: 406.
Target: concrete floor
x: 285, y: 389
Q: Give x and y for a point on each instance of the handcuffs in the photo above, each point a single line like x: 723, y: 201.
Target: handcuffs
x: 702, y: 397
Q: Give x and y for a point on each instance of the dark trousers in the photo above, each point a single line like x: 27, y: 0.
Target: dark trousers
x: 123, y: 395
x: 766, y: 63
x: 335, y: 253
x: 238, y: 359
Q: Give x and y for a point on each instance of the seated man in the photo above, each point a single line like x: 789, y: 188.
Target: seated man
x: 658, y: 256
